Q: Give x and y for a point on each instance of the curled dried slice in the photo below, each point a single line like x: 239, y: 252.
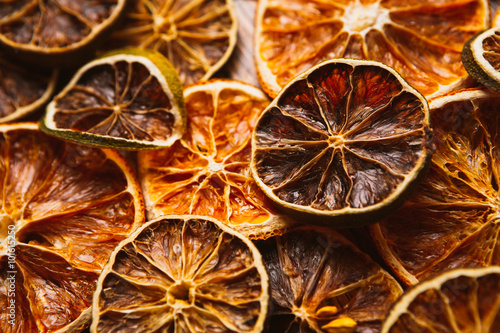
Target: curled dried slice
x: 197, y: 36
x: 64, y: 209
x: 452, y: 219
x: 345, y: 143
x: 320, y: 282
x: 56, y: 32
x: 459, y: 300
x: 182, y: 274
x: 127, y: 99
x: 207, y: 172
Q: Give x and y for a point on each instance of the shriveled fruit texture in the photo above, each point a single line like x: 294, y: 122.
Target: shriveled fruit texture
x: 64, y: 209
x: 207, y: 172
x: 197, y: 36
x: 182, y: 274
x: 452, y: 219
x: 421, y: 39
x: 320, y: 282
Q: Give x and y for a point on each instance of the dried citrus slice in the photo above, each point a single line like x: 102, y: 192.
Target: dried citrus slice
x: 460, y: 300
x: 320, y: 282
x: 452, y: 219
x: 208, y: 171
x: 481, y: 58
x: 128, y: 99
x: 64, y: 209
x: 421, y: 39
x: 23, y: 92
x: 182, y: 274
x: 197, y: 36
x: 56, y: 32
x: 344, y: 142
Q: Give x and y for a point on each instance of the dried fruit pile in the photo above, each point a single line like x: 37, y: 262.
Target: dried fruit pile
x: 149, y: 185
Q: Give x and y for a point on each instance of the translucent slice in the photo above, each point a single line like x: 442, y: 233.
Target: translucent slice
x: 64, y: 209
x: 451, y: 220
x: 201, y: 276
x: 208, y: 172
x: 344, y: 143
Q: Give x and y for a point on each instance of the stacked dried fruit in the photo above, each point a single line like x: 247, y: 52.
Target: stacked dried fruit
x: 367, y: 127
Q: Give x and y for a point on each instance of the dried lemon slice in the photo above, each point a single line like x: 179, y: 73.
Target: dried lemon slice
x: 344, y: 143
x: 207, y: 172
x: 182, y: 274
x: 421, y: 39
x: 320, y: 282
x: 127, y: 99
x: 460, y: 300
x: 197, y: 36
x: 452, y: 219
x: 58, y: 32
x: 64, y: 209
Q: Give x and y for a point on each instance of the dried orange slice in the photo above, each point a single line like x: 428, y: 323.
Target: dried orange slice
x: 421, y: 39
x: 55, y: 32
x: 127, y: 99
x: 64, y: 209
x: 320, y: 282
x: 208, y: 171
x: 182, y: 274
x: 345, y: 143
x: 452, y: 219
x: 460, y: 300
x: 23, y: 92
x: 197, y: 36
x: 481, y: 58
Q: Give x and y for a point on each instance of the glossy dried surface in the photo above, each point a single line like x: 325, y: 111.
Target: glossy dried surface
x: 422, y: 40
x: 64, y: 209
x: 182, y: 274
x: 344, y: 137
x: 456, y: 301
x: 318, y: 278
x: 197, y: 36
x: 452, y: 220
x: 208, y: 171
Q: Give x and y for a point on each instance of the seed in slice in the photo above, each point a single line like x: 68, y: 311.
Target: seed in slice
x: 453, y: 218
x: 207, y: 172
x: 345, y: 143
x: 481, y: 58
x: 421, y: 39
x: 55, y: 32
x: 320, y: 282
x: 23, y: 92
x: 182, y: 274
x: 128, y: 99
x: 459, y: 300
x: 64, y: 209
x: 197, y: 36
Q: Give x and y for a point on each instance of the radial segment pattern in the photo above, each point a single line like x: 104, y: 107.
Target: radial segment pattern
x: 346, y: 140
x: 421, y: 39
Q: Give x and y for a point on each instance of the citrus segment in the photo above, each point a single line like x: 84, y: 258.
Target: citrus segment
x: 182, y: 274
x: 23, y: 92
x: 460, y: 300
x: 128, y: 99
x: 207, y: 172
x: 452, y: 218
x: 54, y: 32
x: 344, y: 141
x: 64, y: 209
x: 197, y: 36
x: 422, y: 40
x: 320, y: 282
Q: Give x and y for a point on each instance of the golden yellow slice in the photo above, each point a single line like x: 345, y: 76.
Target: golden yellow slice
x: 127, y: 99
x: 64, y: 209
x: 182, y: 274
